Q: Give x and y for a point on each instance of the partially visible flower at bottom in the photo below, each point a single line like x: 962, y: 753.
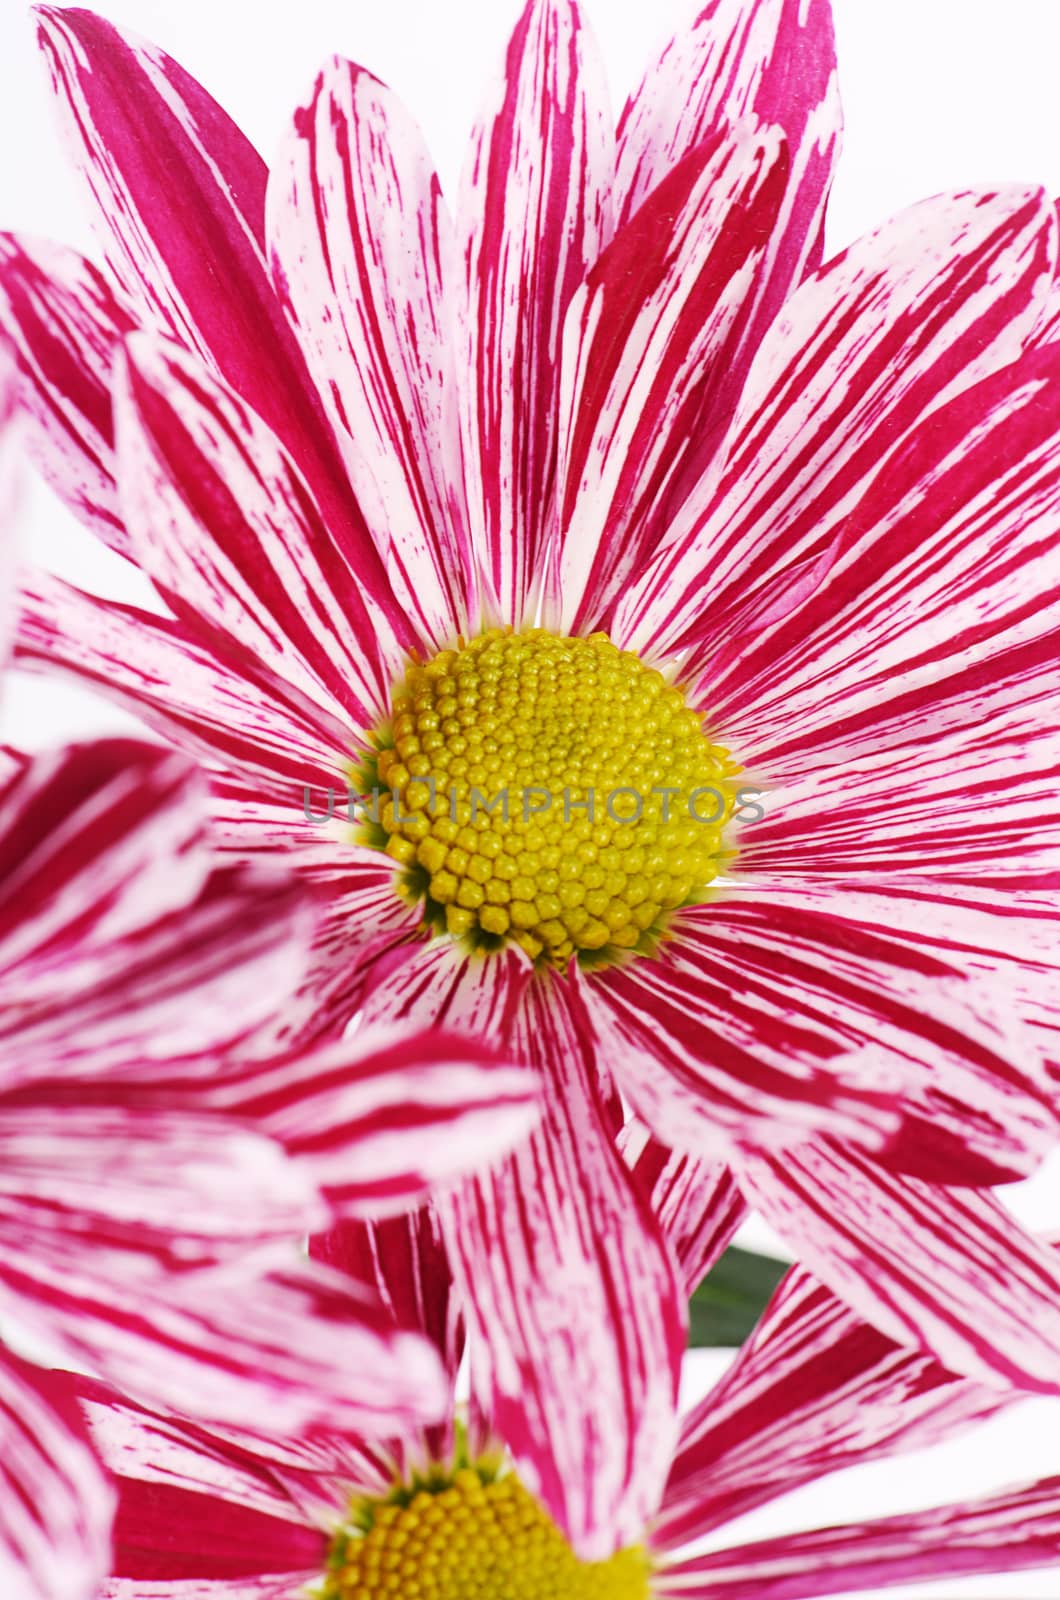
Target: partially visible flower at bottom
x: 443, y: 1515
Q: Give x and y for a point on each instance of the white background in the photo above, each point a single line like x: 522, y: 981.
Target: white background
x: 937, y: 94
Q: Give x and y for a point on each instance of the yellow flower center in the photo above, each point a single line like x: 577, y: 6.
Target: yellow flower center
x: 477, y: 1536
x: 555, y: 792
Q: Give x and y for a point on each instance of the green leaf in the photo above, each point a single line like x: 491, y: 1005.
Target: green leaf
x: 732, y: 1297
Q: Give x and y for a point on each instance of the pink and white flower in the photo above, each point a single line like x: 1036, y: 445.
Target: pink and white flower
x: 815, y: 1389
x: 341, y: 433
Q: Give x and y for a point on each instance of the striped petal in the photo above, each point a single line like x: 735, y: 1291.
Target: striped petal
x: 425, y: 984
x: 737, y: 58
x: 534, y: 215
x: 9, y: 439
x: 364, y: 258
x: 65, y: 322
x: 938, y: 298
x: 178, y: 1542
x: 197, y: 1513
x: 733, y: 1031
x: 55, y: 1502
x: 815, y: 1389
x: 948, y: 560
x: 947, y: 1270
x: 696, y: 1203
x: 117, y: 942
x: 222, y: 520
x: 812, y: 976
x: 296, y: 1344
x: 1010, y: 1532
x: 576, y: 1319
x: 405, y: 1261
x: 226, y: 711
x: 179, y: 197
x: 379, y: 1119
x: 96, y: 842
x: 146, y: 1188
x: 658, y: 311
x: 740, y: 58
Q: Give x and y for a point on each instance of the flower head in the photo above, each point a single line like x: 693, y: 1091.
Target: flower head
x: 351, y: 440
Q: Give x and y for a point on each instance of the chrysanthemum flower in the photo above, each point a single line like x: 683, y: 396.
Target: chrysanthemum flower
x: 578, y: 495
x: 154, y: 1177
x: 445, y: 1517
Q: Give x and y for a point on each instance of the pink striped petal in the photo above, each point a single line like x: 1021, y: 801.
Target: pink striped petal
x: 200, y: 1547
x: 158, y: 1184
x: 947, y: 1270
x: 96, y: 841
x: 9, y: 440
x: 197, y: 1512
x: 64, y: 321
x: 191, y: 984
x: 938, y: 298
x: 729, y: 1033
x: 425, y: 984
x: 379, y: 1119
x: 947, y: 560
x: 740, y: 58
x: 225, y: 710
x: 297, y: 1345
x: 534, y: 215
x: 696, y: 1203
x: 179, y: 196
x: 812, y: 1391
x: 366, y: 910
x: 809, y: 981
x: 1010, y: 1532
x: 117, y: 942
x: 222, y: 520
x: 659, y: 310
x: 55, y: 1502
x: 405, y: 1261
x: 364, y: 259
x: 576, y: 1320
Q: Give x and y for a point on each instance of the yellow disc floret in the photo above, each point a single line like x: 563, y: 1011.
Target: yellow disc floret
x: 555, y: 792
x: 477, y: 1537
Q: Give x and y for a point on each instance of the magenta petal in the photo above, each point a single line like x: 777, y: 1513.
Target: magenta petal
x: 1010, y: 1532
x: 534, y: 216
x: 379, y: 1119
x: 948, y: 559
x: 65, y: 323
x: 364, y: 258
x: 771, y: 59
x: 658, y: 313
x: 55, y: 1501
x: 144, y: 1188
x: 815, y: 1389
x: 292, y: 1350
x: 226, y: 709
x: 222, y: 520
x: 908, y: 317
x: 179, y: 197
x: 778, y: 992
x: 576, y: 1319
x: 948, y: 1270
x: 696, y: 1203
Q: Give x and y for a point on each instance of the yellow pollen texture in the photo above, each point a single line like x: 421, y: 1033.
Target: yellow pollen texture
x: 477, y: 1539
x: 554, y: 792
